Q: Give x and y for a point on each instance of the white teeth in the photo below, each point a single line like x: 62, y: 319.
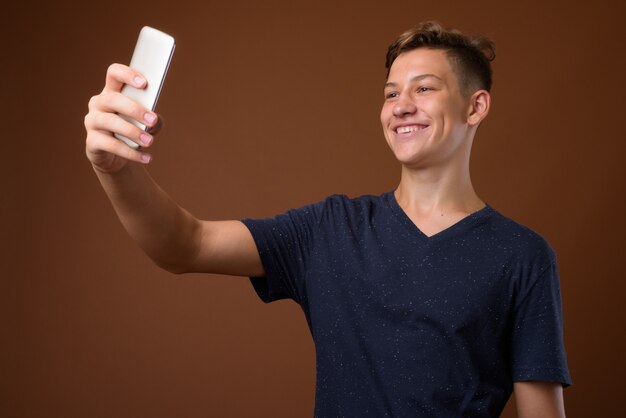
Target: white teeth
x: 407, y: 129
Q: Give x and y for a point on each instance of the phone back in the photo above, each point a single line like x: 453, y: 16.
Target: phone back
x: 151, y: 58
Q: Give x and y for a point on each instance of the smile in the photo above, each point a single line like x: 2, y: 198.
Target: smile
x: 409, y: 129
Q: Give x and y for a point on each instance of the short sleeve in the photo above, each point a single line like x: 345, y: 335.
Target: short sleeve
x: 284, y: 243
x: 538, y: 351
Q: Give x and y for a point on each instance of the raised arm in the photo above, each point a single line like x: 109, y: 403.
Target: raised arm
x: 170, y: 235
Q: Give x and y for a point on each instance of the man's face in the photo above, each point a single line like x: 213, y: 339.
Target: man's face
x: 424, y: 115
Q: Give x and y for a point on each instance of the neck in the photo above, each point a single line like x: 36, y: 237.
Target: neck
x: 437, y: 190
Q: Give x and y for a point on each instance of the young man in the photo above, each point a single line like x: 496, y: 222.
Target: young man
x: 422, y: 302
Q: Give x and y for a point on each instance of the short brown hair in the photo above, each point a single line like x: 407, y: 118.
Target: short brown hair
x: 470, y: 56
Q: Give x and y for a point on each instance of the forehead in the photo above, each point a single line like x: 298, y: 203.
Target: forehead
x: 412, y: 64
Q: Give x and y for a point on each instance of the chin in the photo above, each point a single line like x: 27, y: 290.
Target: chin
x: 409, y: 157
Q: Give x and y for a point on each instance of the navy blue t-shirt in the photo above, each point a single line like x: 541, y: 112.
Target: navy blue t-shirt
x: 407, y: 325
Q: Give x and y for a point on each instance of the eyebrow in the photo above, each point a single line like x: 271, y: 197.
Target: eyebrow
x: 414, y: 79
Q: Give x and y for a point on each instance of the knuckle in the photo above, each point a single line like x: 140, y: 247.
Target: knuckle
x: 90, y: 144
x: 113, y: 68
x: 104, y: 97
x: 93, y: 143
x: 87, y: 120
x: 93, y: 102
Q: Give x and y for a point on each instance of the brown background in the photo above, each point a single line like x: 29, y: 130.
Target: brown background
x: 271, y: 105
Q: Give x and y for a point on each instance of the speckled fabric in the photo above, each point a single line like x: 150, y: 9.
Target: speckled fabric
x: 407, y: 325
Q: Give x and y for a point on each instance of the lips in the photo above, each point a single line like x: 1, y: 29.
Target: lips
x: 408, y: 129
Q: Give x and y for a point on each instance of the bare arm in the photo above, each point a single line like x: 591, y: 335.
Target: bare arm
x: 539, y: 400
x: 170, y: 235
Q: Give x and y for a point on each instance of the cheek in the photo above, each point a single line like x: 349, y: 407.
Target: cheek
x: 385, y: 113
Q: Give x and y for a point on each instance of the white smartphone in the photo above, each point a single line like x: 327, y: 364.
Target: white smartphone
x: 151, y: 58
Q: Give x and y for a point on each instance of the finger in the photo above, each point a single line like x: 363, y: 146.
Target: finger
x: 115, y: 124
x: 100, y: 145
x: 119, y: 74
x: 157, y: 126
x: 115, y: 102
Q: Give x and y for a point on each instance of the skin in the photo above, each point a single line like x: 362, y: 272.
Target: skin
x: 435, y: 188
x: 539, y: 400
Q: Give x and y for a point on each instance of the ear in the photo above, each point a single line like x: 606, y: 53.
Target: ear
x: 478, y: 107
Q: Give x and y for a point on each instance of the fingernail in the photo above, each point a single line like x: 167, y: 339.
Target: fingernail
x: 139, y: 81
x: 149, y: 117
x: 146, y: 158
x: 145, y: 139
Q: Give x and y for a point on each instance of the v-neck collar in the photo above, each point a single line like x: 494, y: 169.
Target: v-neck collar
x: 458, y: 227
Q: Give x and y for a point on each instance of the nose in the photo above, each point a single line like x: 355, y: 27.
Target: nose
x: 404, y: 106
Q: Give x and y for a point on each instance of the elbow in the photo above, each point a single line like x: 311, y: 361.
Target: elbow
x: 171, y: 266
x: 181, y: 255
x: 176, y: 259
x: 174, y: 268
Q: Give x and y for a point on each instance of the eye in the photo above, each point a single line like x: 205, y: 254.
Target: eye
x: 391, y: 95
x: 423, y: 89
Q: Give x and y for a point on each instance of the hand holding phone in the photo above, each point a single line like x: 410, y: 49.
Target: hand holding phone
x: 151, y: 58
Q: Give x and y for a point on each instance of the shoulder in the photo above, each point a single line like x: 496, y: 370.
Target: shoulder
x: 526, y: 258
x: 515, y: 237
x: 341, y: 206
x: 358, y: 203
x: 333, y: 210
x: 366, y: 200
x: 525, y: 255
